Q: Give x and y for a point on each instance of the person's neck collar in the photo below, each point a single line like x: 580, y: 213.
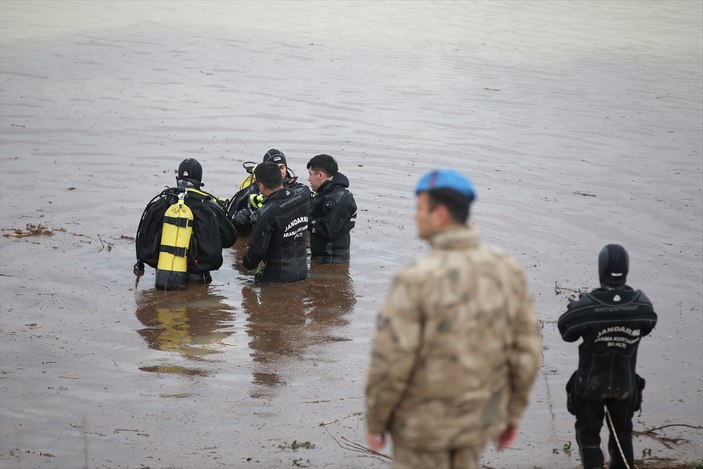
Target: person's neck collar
x: 450, y: 226
x: 612, y: 287
x: 268, y: 192
x: 448, y: 231
x: 188, y: 183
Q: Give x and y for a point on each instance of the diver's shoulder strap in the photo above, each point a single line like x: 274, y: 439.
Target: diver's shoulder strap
x: 172, y: 191
x: 203, y: 195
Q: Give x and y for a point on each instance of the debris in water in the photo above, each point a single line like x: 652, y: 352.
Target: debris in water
x: 31, y: 230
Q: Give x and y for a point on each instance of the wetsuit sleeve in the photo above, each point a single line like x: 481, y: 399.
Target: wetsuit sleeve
x: 652, y: 316
x: 258, y: 244
x: 649, y: 328
x: 570, y: 327
x: 228, y: 235
x: 393, y: 355
x: 338, y: 216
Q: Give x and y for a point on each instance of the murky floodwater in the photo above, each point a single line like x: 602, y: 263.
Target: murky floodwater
x: 580, y: 123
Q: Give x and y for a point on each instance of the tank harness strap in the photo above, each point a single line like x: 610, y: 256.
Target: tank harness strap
x: 180, y: 222
x: 176, y: 251
x: 202, y: 193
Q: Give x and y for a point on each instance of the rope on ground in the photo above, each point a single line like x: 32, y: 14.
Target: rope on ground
x: 615, y: 436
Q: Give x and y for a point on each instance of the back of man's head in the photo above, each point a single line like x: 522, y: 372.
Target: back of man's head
x: 275, y: 156
x: 613, y: 265
x: 269, y: 175
x: 449, y: 188
x: 323, y: 163
x: 190, y: 171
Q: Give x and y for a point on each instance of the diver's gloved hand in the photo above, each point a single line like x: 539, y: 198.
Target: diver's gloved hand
x: 242, y: 219
x: 256, y: 201
x: 254, y: 217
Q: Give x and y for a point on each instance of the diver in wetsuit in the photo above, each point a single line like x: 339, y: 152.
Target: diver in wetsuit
x: 611, y: 320
x: 332, y: 211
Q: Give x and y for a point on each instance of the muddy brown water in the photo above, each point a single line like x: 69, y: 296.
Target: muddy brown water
x: 579, y: 122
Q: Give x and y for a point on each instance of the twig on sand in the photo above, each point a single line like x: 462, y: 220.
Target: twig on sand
x: 549, y: 397
x: 669, y: 442
x: 654, y: 429
x: 18, y: 437
x: 657, y: 462
x: 570, y: 293
x: 329, y: 422
x: 84, y: 432
x: 105, y: 244
x: 356, y: 447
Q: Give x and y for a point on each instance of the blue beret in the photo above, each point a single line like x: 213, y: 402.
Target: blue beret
x: 446, y: 179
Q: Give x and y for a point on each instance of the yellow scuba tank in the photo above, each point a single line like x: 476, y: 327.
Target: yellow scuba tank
x: 177, y: 228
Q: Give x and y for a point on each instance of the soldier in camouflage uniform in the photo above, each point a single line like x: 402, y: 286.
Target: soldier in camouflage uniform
x: 457, y: 343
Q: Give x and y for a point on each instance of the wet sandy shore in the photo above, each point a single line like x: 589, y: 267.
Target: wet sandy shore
x: 580, y: 124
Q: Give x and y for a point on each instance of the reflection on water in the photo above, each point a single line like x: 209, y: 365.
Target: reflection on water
x: 191, y: 322
x: 284, y: 320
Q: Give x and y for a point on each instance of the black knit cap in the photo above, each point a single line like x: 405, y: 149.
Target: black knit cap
x: 190, y: 170
x: 275, y: 156
x: 613, y: 264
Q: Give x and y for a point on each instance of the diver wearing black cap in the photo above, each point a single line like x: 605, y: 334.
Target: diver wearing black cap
x: 332, y: 211
x: 200, y: 231
x: 277, y: 243
x: 611, y: 320
x: 244, y: 204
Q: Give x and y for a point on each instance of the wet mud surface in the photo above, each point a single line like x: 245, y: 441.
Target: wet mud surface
x: 579, y: 127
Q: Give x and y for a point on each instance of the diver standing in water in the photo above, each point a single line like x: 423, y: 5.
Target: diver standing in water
x: 332, y: 211
x: 248, y: 199
x: 277, y: 242
x: 611, y: 320
x: 182, y: 232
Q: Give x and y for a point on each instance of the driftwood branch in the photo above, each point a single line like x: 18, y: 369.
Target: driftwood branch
x: 654, y: 429
x: 353, y: 446
x: 669, y: 442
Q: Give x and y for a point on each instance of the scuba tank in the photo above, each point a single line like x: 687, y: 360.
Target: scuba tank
x: 237, y: 201
x: 172, y: 268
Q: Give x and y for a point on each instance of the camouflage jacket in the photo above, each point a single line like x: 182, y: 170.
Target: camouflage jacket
x: 456, y: 348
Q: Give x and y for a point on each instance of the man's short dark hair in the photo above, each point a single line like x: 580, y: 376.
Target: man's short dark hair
x: 457, y: 204
x: 323, y: 163
x: 269, y: 175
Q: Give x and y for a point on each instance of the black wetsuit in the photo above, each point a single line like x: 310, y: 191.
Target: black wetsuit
x: 611, y: 323
x: 278, y: 236
x: 332, y: 216
x: 240, y: 211
x: 212, y: 231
